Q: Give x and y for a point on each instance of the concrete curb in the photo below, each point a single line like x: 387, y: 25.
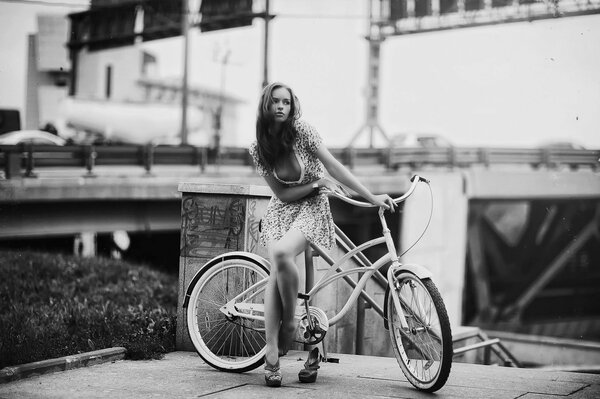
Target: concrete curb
x: 13, y: 373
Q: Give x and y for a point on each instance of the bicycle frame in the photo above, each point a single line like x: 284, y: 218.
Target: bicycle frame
x: 232, y: 336
x: 249, y: 310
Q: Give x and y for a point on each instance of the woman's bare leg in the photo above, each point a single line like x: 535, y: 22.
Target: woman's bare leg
x: 282, y: 292
x: 272, y: 317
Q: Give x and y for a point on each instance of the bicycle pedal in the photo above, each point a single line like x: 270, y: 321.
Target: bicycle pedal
x: 303, y: 296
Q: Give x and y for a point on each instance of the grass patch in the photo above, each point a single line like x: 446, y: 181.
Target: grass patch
x: 55, y: 305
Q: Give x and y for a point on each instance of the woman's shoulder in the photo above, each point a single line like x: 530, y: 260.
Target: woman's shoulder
x: 253, y: 146
x: 308, y: 135
x: 306, y: 131
x: 303, y: 126
x: 253, y: 150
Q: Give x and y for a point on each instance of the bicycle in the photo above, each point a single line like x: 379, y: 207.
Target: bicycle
x: 225, y: 311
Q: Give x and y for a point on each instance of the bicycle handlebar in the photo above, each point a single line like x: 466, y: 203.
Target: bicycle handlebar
x: 414, y: 181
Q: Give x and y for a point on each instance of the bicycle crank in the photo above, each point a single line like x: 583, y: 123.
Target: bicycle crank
x: 306, y: 334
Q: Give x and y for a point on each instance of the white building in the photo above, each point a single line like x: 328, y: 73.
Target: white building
x: 117, y: 94
x: 47, y: 71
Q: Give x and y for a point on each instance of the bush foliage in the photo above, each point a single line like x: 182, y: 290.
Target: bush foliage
x: 58, y: 305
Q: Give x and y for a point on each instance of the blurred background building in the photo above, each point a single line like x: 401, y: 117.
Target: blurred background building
x: 48, y: 69
x: 515, y: 84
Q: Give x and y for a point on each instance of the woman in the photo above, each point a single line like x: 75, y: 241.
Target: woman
x: 289, y: 154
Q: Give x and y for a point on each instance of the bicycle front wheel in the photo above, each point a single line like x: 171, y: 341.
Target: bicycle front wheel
x: 423, y: 348
x: 227, y: 343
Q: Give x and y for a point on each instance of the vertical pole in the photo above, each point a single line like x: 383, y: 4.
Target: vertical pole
x: 373, y: 61
x: 74, y: 48
x: 74, y: 53
x: 361, y: 305
x: 266, y: 47
x: 373, y: 90
x: 309, y: 278
x: 360, y: 324
x: 374, y: 36
x: 184, y: 85
x: 218, y: 122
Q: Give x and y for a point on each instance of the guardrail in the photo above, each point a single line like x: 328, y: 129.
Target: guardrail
x: 22, y: 160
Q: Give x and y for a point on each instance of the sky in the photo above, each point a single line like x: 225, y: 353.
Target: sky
x: 513, y: 85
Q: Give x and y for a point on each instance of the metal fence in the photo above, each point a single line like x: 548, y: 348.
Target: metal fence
x: 22, y: 160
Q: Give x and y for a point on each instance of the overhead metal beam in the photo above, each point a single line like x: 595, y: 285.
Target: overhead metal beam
x: 478, y: 13
x: 516, y: 184
x: 69, y: 218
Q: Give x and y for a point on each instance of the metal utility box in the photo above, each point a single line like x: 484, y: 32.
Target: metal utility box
x: 215, y: 219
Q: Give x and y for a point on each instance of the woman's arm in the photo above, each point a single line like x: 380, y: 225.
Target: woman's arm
x: 344, y: 176
x: 289, y: 194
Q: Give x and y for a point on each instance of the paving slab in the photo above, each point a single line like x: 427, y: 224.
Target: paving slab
x: 185, y: 375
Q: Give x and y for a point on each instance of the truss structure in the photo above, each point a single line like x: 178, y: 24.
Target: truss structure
x: 419, y: 16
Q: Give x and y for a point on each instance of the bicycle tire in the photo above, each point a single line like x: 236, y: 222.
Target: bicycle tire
x: 424, y: 352
x: 227, y: 344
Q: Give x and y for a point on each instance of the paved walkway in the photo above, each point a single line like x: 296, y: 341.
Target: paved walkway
x: 185, y: 375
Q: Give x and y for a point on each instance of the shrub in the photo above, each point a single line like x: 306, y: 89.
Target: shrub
x: 58, y: 305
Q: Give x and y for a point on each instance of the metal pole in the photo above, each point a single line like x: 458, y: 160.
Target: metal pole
x: 184, y: 85
x: 219, y: 113
x: 309, y: 278
x: 266, y: 47
x: 375, y: 37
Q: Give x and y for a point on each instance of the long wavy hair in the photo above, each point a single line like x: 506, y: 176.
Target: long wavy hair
x: 272, y: 146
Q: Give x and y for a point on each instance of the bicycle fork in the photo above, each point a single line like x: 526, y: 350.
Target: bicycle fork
x: 417, y: 270
x: 393, y: 283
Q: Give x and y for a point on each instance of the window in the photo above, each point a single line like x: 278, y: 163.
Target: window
x: 108, y: 75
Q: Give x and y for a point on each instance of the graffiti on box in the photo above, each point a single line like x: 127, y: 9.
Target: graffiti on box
x: 253, y: 238
x: 212, y: 225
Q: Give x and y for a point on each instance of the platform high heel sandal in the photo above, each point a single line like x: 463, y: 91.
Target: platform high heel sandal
x: 272, y: 374
x: 309, y: 372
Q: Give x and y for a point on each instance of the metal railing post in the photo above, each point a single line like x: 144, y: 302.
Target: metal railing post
x: 30, y: 162
x: 90, y: 160
x: 148, y: 158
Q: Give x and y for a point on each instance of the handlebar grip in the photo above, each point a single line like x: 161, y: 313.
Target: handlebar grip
x: 422, y: 179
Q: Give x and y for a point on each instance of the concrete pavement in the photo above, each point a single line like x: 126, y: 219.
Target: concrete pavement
x: 185, y: 375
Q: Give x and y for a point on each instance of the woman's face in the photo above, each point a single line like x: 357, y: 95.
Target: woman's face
x: 281, y: 104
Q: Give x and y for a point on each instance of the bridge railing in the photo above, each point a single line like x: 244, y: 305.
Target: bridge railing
x: 22, y: 160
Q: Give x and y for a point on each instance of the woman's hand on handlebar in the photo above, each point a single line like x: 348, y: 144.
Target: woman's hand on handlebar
x: 384, y: 201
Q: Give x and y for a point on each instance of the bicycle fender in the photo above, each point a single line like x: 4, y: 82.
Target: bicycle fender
x: 249, y: 256
x: 418, y: 270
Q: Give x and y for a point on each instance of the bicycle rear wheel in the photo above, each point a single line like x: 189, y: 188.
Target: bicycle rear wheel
x: 424, y: 349
x: 227, y: 343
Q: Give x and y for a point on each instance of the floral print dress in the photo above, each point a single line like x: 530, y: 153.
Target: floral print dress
x: 311, y: 215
